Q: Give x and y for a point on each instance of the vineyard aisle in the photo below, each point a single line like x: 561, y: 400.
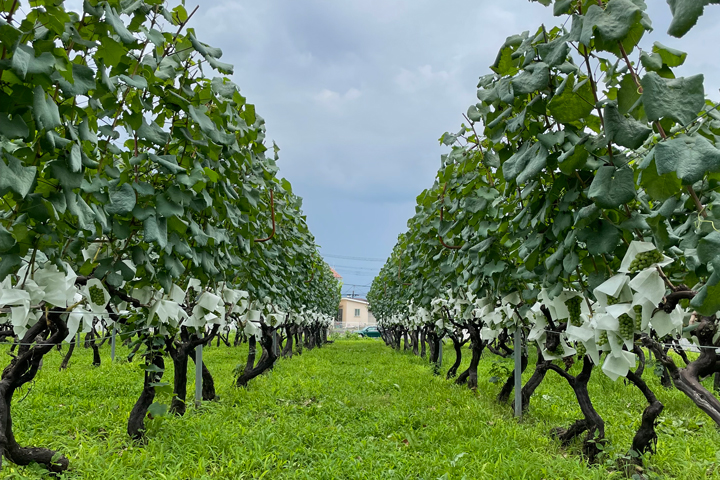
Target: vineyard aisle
x: 352, y: 409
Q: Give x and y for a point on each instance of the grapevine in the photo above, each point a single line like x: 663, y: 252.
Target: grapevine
x: 645, y: 260
x: 573, y: 306
x: 627, y: 326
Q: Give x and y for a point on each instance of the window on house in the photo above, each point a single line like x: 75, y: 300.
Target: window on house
x: 357, y: 312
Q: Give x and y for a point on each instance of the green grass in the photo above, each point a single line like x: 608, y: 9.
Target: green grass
x: 351, y: 410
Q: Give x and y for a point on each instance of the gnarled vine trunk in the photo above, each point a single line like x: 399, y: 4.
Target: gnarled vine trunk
x: 687, y: 379
x: 267, y: 359
x: 592, y: 423
x: 153, y: 374
x: 21, y: 370
x: 287, y: 351
x: 457, y: 345
x: 179, y: 353
x: 69, y: 353
x: 477, y: 344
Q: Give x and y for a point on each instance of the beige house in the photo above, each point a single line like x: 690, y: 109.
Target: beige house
x: 354, y: 313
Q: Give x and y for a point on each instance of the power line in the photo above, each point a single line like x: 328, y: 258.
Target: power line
x: 356, y: 268
x: 361, y: 259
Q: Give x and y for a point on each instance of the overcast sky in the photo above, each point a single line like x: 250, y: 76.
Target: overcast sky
x: 357, y: 92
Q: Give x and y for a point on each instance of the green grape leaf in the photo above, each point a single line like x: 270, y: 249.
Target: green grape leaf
x: 573, y: 159
x: 652, y: 62
x: 15, y: 128
x: 535, y: 77
x: 221, y: 67
x: 153, y: 133
x: 15, y: 177
x: 24, y: 61
x: 680, y: 98
x: 75, y: 158
x: 110, y: 51
x: 155, y: 230
x: 690, y: 157
x: 612, y: 187
x: 117, y: 24
x: 504, y: 63
x: 611, y: 24
x: 571, y: 106
x: 45, y: 111
x: 708, y: 249
x: 659, y: 187
x: 561, y: 7
x: 555, y: 52
x: 206, y: 125
x: 83, y: 81
x: 685, y: 15
x: 601, y: 237
x: 136, y: 81
x: 669, y: 56
x: 122, y: 200
x: 7, y: 241
x: 223, y: 87
x: 167, y: 69
x: 167, y: 208
x: 8, y: 264
x: 707, y: 300
x: 628, y: 94
x: 526, y: 163
x: 167, y: 161
x: 626, y: 132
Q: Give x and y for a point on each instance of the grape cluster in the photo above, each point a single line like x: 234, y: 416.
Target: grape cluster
x: 638, y: 317
x: 603, y: 338
x: 573, y: 306
x: 627, y: 326
x: 645, y: 260
x: 581, y: 350
x: 612, y: 300
x: 97, y: 296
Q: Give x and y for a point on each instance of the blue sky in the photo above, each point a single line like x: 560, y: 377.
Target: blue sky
x: 356, y: 94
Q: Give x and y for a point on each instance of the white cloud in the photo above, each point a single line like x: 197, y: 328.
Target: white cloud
x: 411, y: 81
x: 333, y: 99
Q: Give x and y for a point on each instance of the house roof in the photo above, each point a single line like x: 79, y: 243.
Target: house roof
x: 335, y: 274
x: 358, y: 300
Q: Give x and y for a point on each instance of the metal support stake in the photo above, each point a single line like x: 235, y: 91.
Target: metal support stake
x: 440, y: 352
x: 275, y: 343
x: 112, y: 343
x: 518, y: 373
x: 77, y: 342
x: 198, y: 375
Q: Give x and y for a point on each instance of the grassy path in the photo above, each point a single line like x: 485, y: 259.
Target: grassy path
x: 351, y: 410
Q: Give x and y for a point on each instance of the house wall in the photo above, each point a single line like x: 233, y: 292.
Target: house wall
x: 350, y: 320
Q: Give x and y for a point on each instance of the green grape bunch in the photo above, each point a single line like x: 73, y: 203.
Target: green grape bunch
x: 612, y: 300
x: 97, y: 296
x: 603, y: 338
x: 627, y: 326
x: 581, y: 350
x: 559, y: 350
x: 638, y: 317
x: 645, y: 260
x: 573, y: 306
